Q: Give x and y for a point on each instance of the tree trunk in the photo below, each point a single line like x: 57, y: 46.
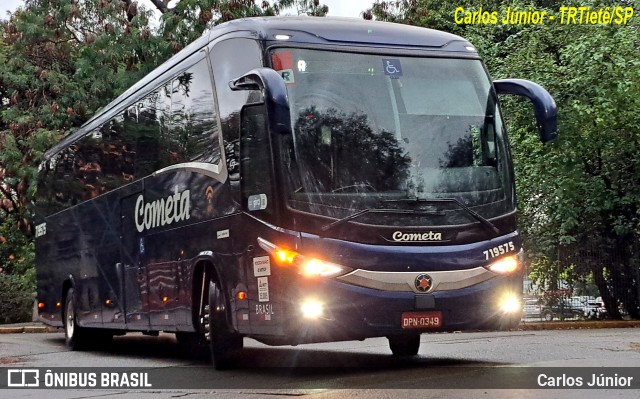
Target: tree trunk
x: 610, y: 302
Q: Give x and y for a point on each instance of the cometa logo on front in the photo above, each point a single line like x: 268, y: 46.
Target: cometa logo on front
x: 399, y: 236
x: 163, y: 211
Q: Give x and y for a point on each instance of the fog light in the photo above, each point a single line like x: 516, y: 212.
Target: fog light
x: 311, y: 309
x: 510, y: 304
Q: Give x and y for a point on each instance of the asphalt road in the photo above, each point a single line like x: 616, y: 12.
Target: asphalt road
x: 446, y: 366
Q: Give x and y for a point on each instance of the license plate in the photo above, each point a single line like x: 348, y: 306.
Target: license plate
x: 421, y: 320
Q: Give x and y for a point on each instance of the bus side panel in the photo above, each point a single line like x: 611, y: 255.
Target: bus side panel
x: 72, y: 257
x: 267, y: 283
x: 113, y: 259
x: 55, y: 264
x: 168, y: 252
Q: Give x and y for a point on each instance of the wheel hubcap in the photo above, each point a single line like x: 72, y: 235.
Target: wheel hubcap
x: 70, y: 320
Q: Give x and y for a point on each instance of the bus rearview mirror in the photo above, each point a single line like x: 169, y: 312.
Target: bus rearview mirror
x: 543, y: 104
x: 274, y: 92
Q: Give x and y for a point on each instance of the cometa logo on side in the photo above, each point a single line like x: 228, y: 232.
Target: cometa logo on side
x: 163, y: 211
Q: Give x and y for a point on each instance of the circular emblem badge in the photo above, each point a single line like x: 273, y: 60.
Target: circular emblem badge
x: 423, y: 283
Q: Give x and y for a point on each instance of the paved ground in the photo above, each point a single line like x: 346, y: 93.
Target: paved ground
x: 347, y: 370
x: 36, y: 327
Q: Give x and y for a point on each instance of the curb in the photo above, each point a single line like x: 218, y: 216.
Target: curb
x: 577, y: 325
x: 27, y: 329
x: 534, y: 326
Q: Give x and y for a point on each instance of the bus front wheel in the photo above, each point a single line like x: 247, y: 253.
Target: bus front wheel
x: 224, y: 344
x: 402, y: 345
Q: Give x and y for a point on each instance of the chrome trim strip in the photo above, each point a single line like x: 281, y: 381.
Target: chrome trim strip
x: 405, y: 281
x: 208, y: 169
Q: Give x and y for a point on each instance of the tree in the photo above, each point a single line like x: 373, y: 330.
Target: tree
x: 579, y: 197
x: 64, y: 58
x: 67, y: 58
x: 187, y: 19
x: 61, y: 60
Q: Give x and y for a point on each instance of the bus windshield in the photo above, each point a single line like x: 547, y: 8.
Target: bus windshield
x: 393, y: 132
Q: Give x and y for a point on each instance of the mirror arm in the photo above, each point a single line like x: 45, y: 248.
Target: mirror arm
x: 544, y: 105
x: 274, y: 92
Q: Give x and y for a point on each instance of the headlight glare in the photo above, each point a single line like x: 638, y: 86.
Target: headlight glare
x: 307, y: 266
x: 317, y: 267
x: 506, y: 265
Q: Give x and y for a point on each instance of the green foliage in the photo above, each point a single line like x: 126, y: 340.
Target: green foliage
x: 16, y: 298
x: 579, y: 197
x: 582, y: 191
x: 16, y: 249
x: 63, y: 60
x: 66, y: 59
x: 17, y: 274
x: 189, y: 18
x: 60, y: 62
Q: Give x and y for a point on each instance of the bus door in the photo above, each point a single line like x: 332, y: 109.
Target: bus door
x: 257, y: 198
x: 132, y: 268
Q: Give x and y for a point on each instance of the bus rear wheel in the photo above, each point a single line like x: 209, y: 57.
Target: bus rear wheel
x: 224, y: 344
x: 74, y: 336
x: 403, y: 345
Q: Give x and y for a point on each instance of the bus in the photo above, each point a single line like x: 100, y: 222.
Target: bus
x: 292, y: 180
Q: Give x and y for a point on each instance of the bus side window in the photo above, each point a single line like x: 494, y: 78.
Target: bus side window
x: 255, y: 161
x: 47, y: 199
x: 87, y: 180
x: 490, y: 143
x: 144, y: 136
x: 231, y: 58
x: 117, y: 151
x: 193, y: 133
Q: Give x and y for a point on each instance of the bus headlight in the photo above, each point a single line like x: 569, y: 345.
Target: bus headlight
x: 306, y: 266
x: 506, y: 265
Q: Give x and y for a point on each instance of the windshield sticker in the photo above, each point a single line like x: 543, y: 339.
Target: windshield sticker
x: 283, y: 64
x: 392, y: 67
x: 287, y: 75
x: 257, y: 202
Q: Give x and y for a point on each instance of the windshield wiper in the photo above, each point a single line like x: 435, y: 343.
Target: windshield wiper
x: 375, y: 210
x: 471, y: 212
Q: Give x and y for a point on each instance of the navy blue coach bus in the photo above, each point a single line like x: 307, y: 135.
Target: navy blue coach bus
x: 292, y: 180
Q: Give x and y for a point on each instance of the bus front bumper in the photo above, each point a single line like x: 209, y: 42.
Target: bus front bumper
x: 334, y: 310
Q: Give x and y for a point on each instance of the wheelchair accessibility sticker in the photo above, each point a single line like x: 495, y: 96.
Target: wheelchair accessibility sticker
x: 392, y: 67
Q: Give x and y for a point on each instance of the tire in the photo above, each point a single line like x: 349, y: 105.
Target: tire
x: 193, y: 344
x: 75, y: 337
x: 404, y: 345
x: 508, y: 323
x: 547, y: 316
x: 223, y: 344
